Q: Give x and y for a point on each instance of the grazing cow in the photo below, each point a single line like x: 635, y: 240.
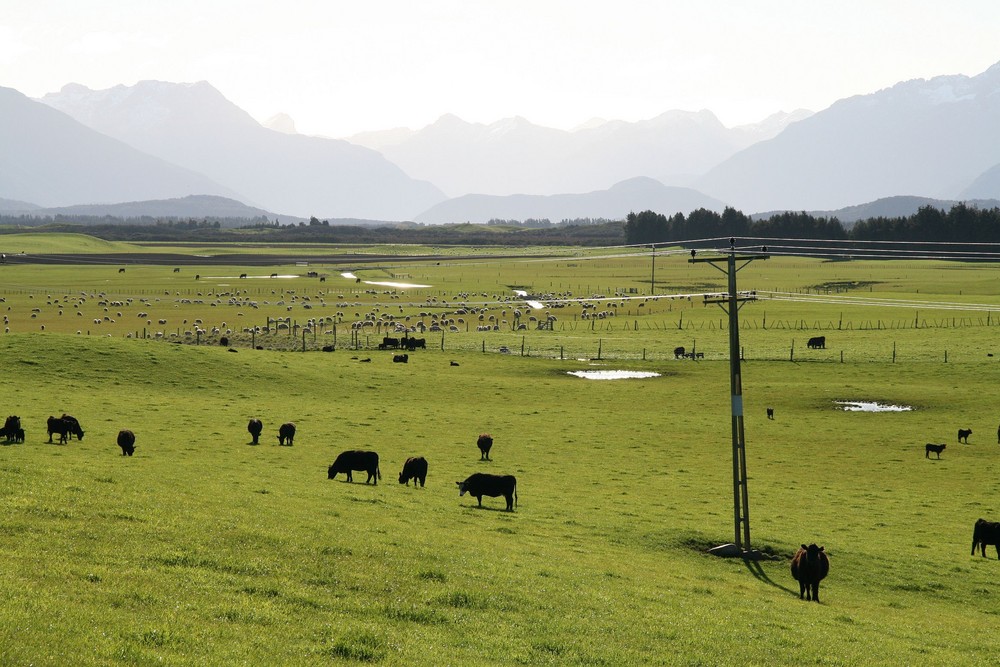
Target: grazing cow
x: 415, y: 468
x: 817, y: 343
x: 126, y: 440
x: 770, y: 413
x: 810, y: 565
x: 963, y: 435
x: 65, y: 426
x: 679, y: 353
x: 484, y: 484
x: 358, y: 459
x: 400, y: 358
x: 985, y: 532
x: 11, y: 428
x: 412, y: 344
x: 937, y: 449
x: 286, y: 432
x: 19, y: 436
x: 485, y: 442
x: 121, y: 270
x: 255, y: 426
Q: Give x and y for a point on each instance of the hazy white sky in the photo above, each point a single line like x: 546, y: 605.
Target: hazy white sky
x: 340, y: 67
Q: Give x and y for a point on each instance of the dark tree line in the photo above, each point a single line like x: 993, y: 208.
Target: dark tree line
x: 960, y: 224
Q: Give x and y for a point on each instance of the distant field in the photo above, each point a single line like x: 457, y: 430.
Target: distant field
x: 203, y: 549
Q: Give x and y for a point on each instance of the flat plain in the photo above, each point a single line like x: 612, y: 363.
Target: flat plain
x: 204, y: 549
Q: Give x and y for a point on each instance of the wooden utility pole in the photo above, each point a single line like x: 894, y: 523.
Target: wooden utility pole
x: 652, y: 270
x: 731, y: 304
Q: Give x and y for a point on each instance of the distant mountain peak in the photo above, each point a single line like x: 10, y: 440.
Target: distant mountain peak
x: 281, y: 122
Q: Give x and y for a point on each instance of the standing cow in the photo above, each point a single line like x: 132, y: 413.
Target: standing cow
x: 286, y: 432
x: 356, y: 459
x: 126, y: 440
x: 810, y: 565
x: 485, y: 443
x: 11, y: 429
x: 65, y: 426
x: 963, y: 435
x: 985, y: 532
x: 255, y: 426
x: 415, y: 468
x: 484, y: 484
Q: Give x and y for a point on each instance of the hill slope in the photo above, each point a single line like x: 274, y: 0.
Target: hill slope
x: 49, y: 159
x: 193, y: 125
x: 926, y: 138
x: 636, y: 194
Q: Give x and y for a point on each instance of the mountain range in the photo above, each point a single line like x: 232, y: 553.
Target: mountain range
x: 156, y: 141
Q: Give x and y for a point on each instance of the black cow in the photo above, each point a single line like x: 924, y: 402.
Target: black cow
x: 937, y: 449
x: 810, y: 565
x: 388, y: 343
x: 963, y: 435
x: 126, y: 440
x: 770, y: 413
x: 678, y: 352
x: 412, y: 344
x: 11, y: 428
x: 400, y: 358
x: 485, y: 442
x: 65, y: 426
x: 357, y: 459
x: 484, y: 484
x: 286, y: 432
x: 255, y: 426
x: 817, y: 343
x: 985, y: 532
x: 415, y: 468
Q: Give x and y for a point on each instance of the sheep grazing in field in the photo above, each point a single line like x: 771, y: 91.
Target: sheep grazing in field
x: 810, y: 565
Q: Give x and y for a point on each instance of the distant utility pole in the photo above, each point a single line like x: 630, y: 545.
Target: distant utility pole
x: 731, y: 304
x: 652, y: 271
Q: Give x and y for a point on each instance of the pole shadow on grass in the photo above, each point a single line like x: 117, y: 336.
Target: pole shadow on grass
x: 758, y: 572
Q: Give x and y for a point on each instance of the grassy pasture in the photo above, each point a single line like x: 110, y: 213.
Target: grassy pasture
x: 202, y: 549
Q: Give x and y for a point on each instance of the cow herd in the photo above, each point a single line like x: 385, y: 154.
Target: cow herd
x: 414, y: 468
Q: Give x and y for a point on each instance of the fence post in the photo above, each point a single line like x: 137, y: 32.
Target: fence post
x: 893, y: 351
x: 791, y: 354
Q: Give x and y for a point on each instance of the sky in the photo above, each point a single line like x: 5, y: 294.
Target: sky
x: 342, y: 67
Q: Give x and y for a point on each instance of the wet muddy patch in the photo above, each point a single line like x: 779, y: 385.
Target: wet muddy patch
x: 871, y: 406
x: 613, y: 374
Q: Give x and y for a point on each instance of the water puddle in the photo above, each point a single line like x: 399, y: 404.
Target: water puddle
x: 351, y: 276
x: 534, y: 305
x: 613, y: 375
x: 871, y: 406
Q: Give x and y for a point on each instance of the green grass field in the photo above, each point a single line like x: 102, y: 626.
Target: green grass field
x: 202, y: 549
